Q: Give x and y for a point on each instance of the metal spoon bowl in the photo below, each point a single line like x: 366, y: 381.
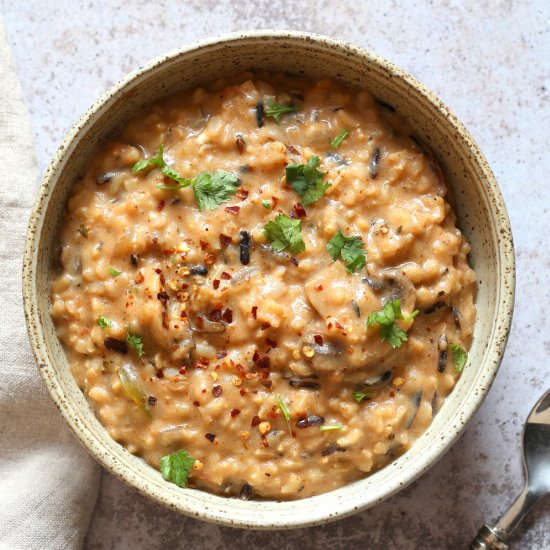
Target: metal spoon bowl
x: 536, y: 460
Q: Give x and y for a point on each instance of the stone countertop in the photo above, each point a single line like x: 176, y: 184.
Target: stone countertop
x: 488, y: 60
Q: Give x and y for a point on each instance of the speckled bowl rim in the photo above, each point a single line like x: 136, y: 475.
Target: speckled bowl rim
x: 220, y: 508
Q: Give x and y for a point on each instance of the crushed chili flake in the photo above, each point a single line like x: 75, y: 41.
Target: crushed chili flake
x: 265, y: 442
x: 210, y: 437
x: 163, y: 297
x: 165, y: 320
x: 240, y: 370
x: 243, y: 392
x: 139, y: 278
x: 216, y: 284
x: 275, y: 201
x: 225, y: 241
x: 215, y: 315
x: 203, y: 244
x: 292, y: 149
x: 158, y: 270
x: 255, y: 421
x: 226, y: 276
x: 233, y: 210
x: 329, y: 325
x: 209, y: 258
x: 318, y: 339
x: 256, y: 356
x: 263, y: 362
x: 338, y: 324
x: 265, y: 326
x: 242, y: 193
x: 160, y: 374
x: 235, y: 412
x: 217, y: 391
x: 300, y: 210
x: 318, y: 288
x: 152, y: 400
x: 221, y: 354
x: 266, y: 383
x: 155, y: 240
x: 271, y: 343
x: 182, y: 370
x: 196, y: 403
x: 255, y: 312
x: 227, y: 316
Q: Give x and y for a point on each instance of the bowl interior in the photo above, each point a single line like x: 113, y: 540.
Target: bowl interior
x: 482, y: 217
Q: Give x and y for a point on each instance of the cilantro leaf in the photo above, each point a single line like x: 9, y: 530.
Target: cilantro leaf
x: 103, y: 322
x: 285, y: 232
x: 284, y: 409
x: 169, y: 172
x: 135, y: 341
x: 386, y: 320
x: 213, y: 189
x: 177, y: 467
x: 330, y: 427
x: 266, y: 204
x: 350, y: 249
x: 276, y: 110
x: 114, y: 272
x: 307, y: 181
x: 359, y: 396
x: 459, y: 356
x: 339, y: 138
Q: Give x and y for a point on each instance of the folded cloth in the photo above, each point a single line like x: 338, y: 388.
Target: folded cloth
x: 48, y: 483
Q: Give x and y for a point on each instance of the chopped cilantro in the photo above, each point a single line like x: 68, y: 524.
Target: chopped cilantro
x: 359, y: 396
x: 459, y: 356
x: 103, y: 322
x: 169, y: 172
x: 307, y: 181
x: 276, y: 110
x: 386, y: 319
x: 266, y: 204
x: 339, y: 138
x: 114, y: 272
x: 83, y: 230
x: 350, y: 249
x: 135, y: 341
x: 213, y: 189
x: 330, y: 427
x: 177, y: 467
x: 284, y: 409
x: 285, y: 232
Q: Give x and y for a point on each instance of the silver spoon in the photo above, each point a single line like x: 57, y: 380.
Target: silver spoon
x: 536, y: 460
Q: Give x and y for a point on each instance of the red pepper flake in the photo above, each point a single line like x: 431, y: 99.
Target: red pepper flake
x: 235, y: 412
x: 215, y: 315
x: 338, y: 324
x: 265, y: 326
x: 163, y: 297
x: 329, y: 325
x: 158, y: 270
x: 168, y: 251
x: 196, y: 403
x: 217, y: 391
x: 275, y: 201
x: 199, y: 321
x: 209, y: 258
x: 271, y: 343
x: 300, y: 210
x: 160, y: 374
x: 255, y: 312
x: 227, y: 316
x: 241, y: 371
x: 318, y: 339
x: 183, y: 314
x: 392, y: 394
x: 182, y: 370
x: 155, y: 240
x: 216, y: 284
x: 292, y: 149
x: 139, y: 278
x: 318, y: 288
x: 165, y: 320
x: 265, y: 442
x: 255, y: 421
x: 256, y: 356
x: 203, y: 390
x: 294, y: 261
x: 242, y: 193
x: 243, y: 392
x: 225, y: 276
x: 233, y: 210
x: 210, y: 437
x: 225, y: 241
x: 203, y: 244
x: 263, y: 362
x: 221, y: 354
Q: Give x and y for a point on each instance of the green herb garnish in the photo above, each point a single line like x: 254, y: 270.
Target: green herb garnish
x: 276, y: 110
x: 330, y: 427
x: 177, y: 467
x: 159, y: 162
x: 114, y: 272
x: 103, y: 322
x: 283, y: 232
x: 307, y: 181
x: 386, y: 319
x: 359, y: 396
x: 339, y: 138
x: 135, y: 341
x: 266, y: 204
x: 83, y: 230
x: 210, y: 189
x: 459, y: 356
x: 213, y: 189
x: 284, y: 409
x: 350, y: 249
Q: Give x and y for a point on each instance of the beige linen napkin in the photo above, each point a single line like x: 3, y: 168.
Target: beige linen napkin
x: 48, y: 483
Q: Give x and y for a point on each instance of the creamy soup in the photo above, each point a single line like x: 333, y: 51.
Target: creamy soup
x: 263, y: 291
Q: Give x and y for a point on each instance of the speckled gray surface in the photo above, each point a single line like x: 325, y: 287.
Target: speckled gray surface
x: 490, y: 62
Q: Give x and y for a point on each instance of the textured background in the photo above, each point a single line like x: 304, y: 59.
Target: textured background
x: 490, y: 61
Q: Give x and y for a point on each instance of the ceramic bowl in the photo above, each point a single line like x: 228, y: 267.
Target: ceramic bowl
x: 482, y: 217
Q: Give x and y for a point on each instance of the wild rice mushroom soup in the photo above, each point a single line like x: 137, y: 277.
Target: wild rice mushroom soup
x: 262, y: 290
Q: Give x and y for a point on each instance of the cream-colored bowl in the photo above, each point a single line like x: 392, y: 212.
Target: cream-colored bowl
x: 482, y: 217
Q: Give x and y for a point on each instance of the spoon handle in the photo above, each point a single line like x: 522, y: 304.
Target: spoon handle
x: 496, y: 537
